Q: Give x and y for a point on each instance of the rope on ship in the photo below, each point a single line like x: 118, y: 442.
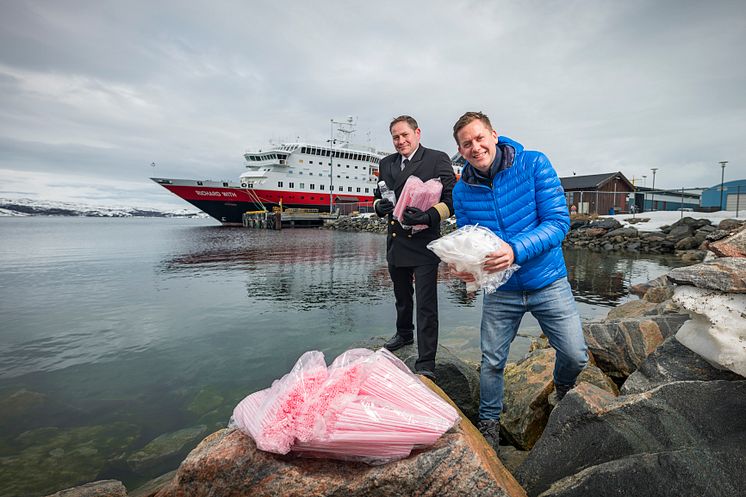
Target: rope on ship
x: 255, y: 198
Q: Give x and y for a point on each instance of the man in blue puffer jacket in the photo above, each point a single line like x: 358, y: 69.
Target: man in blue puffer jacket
x: 517, y: 194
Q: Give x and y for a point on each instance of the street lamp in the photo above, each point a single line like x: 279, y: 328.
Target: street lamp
x: 722, y: 178
x: 652, y: 193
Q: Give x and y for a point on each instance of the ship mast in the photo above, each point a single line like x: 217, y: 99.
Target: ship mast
x: 345, y: 130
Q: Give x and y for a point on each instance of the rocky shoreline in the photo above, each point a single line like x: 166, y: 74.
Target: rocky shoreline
x: 689, y: 238
x: 658, y: 412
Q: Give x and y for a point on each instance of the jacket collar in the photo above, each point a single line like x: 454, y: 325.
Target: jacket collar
x: 508, y: 150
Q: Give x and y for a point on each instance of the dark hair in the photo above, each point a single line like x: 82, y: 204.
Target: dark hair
x: 466, y: 119
x: 407, y: 119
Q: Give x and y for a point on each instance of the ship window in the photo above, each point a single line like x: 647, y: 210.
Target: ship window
x: 310, y: 162
x: 347, y: 177
x: 199, y: 183
x: 358, y: 189
x: 327, y: 153
x: 225, y: 184
x: 367, y: 190
x: 348, y: 166
x: 303, y: 150
x: 349, y: 189
x: 355, y: 167
x: 291, y: 185
x: 279, y: 183
x: 321, y: 187
x: 302, y: 186
x: 313, y: 187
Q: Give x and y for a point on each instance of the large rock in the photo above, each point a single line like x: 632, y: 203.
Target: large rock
x: 671, y: 362
x: 733, y: 246
x: 730, y: 224
x: 458, y: 379
x: 631, y: 309
x: 655, y: 474
x: 717, y: 330
x: 165, y: 451
x: 640, y: 289
x: 624, y: 232
x: 619, y: 347
x: 103, y: 488
x: 607, y: 223
x: 228, y: 463
x: 528, y: 384
x: 686, y: 439
x: 726, y: 274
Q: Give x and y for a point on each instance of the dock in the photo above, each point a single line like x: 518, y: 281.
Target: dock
x: 288, y: 218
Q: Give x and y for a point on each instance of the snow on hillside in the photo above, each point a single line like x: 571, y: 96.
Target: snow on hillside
x: 31, y: 207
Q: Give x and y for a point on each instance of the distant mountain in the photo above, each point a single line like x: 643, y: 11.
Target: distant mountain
x: 29, y: 207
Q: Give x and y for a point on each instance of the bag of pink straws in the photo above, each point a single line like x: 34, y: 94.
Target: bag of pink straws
x: 417, y: 193
x: 366, y: 406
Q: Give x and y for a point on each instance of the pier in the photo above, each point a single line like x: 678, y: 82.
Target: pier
x: 288, y: 218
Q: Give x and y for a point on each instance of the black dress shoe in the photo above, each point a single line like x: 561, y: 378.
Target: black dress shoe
x: 397, y: 341
x: 426, y: 373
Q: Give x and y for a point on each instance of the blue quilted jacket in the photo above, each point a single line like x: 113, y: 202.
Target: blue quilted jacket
x: 525, y: 207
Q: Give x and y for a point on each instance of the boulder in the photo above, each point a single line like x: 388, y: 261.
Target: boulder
x: 102, y: 488
x: 165, y: 451
x: 631, y: 309
x: 686, y: 438
x: 228, y: 463
x: 620, y: 346
x: 656, y: 474
x: 607, y: 223
x: 729, y: 224
x: 458, y: 379
x: 688, y: 243
x: 528, y: 385
x: 726, y: 274
x: 680, y: 232
x: 716, y: 235
x: 733, y: 246
x: 717, y: 330
x: 658, y: 294
x: 641, y: 288
x: 624, y: 232
x: 594, y: 232
x: 671, y: 362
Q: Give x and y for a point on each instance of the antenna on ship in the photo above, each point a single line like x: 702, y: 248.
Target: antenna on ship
x: 345, y: 129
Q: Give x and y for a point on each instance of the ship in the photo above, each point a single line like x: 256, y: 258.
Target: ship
x: 334, y: 177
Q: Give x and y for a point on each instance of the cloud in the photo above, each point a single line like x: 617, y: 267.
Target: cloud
x: 103, y: 89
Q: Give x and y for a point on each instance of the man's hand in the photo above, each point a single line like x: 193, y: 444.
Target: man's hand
x: 499, y: 260
x: 464, y: 276
x: 384, y: 207
x: 413, y: 216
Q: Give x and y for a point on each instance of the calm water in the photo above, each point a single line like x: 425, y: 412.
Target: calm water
x: 116, y: 331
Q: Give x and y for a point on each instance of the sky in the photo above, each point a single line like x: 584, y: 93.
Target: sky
x: 93, y: 93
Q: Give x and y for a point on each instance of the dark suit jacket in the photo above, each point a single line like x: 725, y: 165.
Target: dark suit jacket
x: 404, y: 248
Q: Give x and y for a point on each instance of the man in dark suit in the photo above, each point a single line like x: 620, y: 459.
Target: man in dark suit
x: 407, y: 254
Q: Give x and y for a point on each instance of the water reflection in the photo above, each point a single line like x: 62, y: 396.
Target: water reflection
x: 603, y: 279
x: 304, y: 269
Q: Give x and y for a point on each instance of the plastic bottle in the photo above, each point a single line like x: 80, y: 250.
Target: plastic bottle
x: 386, y: 192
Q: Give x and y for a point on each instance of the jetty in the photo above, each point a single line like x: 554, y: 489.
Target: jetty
x: 287, y: 218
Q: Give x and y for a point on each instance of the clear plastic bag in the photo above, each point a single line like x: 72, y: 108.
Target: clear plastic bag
x: 466, y: 249
x: 370, y: 408
x: 417, y: 193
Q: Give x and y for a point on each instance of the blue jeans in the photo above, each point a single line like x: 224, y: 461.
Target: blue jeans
x: 554, y: 308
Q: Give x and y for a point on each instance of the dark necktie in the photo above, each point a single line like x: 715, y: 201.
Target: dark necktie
x: 404, y: 164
